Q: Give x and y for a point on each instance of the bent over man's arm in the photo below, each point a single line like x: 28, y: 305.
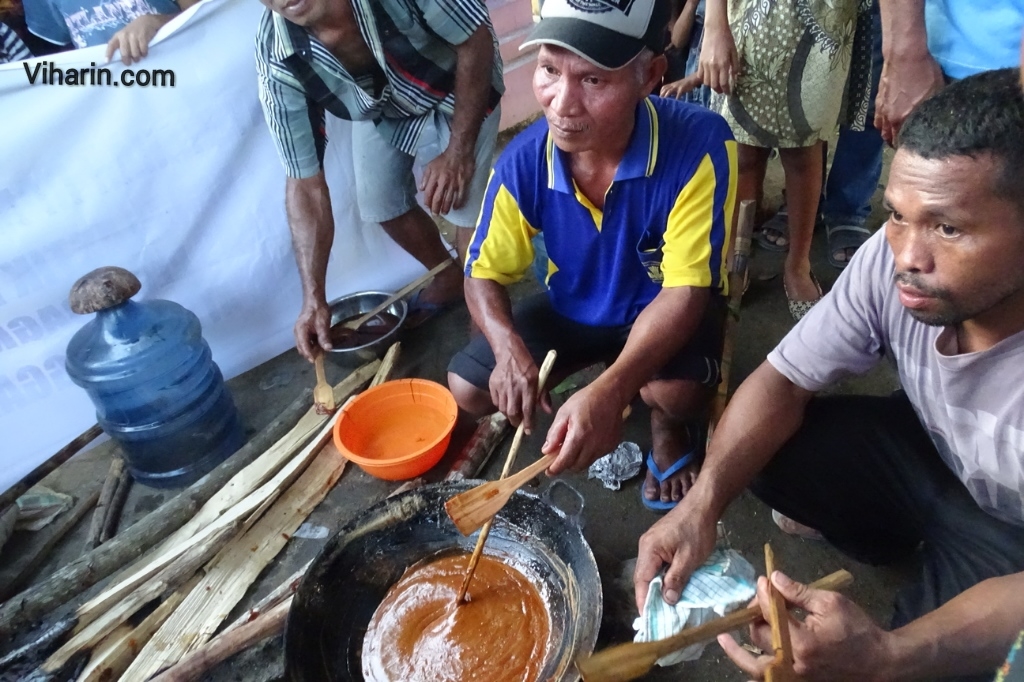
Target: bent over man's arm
x: 308, y: 204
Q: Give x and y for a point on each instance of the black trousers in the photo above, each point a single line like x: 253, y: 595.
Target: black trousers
x: 864, y: 472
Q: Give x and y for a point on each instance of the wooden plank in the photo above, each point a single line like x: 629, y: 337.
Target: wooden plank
x: 236, y: 568
x: 115, y: 653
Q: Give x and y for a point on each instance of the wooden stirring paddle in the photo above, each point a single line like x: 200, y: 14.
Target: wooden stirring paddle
x: 323, y: 394
x: 545, y: 370
x: 363, y: 319
x: 472, y: 509
x: 781, y: 669
x: 631, y: 661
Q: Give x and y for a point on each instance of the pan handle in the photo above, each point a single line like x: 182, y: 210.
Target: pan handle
x: 567, y: 500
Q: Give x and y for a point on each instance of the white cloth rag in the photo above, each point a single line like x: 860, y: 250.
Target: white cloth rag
x: 724, y: 583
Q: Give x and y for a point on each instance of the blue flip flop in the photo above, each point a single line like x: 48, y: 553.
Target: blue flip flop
x: 661, y: 476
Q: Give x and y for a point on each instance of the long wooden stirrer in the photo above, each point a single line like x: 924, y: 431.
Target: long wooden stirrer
x: 631, y: 661
x: 360, y: 321
x: 545, y: 370
x: 781, y: 669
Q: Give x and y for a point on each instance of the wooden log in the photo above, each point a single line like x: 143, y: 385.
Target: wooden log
x: 250, y: 507
x: 109, y: 557
x: 106, y: 494
x: 89, y: 633
x: 115, y: 653
x: 490, y: 431
x: 193, y: 666
x: 61, y: 527
x: 235, y: 569
x: 40, y: 472
x: 112, y: 517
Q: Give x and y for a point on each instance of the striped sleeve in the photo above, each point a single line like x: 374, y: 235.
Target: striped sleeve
x: 700, y: 222
x: 285, y: 109
x: 501, y: 249
x: 454, y: 20
x: 12, y: 49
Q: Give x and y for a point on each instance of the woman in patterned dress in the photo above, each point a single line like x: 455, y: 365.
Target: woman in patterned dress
x: 780, y: 70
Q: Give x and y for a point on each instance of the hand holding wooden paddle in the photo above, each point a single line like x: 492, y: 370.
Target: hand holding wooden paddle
x: 634, y: 660
x: 478, y: 506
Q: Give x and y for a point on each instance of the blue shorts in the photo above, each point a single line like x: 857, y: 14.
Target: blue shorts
x: 580, y: 345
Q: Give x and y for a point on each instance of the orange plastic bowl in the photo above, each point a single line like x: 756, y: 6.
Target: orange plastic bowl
x: 398, y: 430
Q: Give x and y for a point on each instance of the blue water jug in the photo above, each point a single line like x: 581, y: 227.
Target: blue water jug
x: 152, y: 378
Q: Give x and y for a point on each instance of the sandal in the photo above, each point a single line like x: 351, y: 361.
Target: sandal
x: 662, y: 476
x: 697, y: 434
x: 843, y: 237
x: 800, y: 308
x: 778, y: 224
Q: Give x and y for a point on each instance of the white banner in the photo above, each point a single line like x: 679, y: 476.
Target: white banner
x: 181, y: 185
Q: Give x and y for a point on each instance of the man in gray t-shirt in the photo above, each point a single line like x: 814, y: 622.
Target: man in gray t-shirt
x: 934, y: 471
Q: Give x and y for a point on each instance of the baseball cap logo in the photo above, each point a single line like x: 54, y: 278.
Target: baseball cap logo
x: 599, y: 6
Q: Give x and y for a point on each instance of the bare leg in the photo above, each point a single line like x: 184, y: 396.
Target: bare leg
x: 803, y: 188
x: 752, y: 163
x: 415, y: 232
x: 673, y: 404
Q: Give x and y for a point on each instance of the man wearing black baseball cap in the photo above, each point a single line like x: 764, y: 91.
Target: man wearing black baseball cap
x: 634, y: 197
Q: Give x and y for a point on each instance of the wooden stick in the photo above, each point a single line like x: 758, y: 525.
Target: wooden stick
x: 113, y: 514
x: 737, y: 280
x: 781, y: 669
x: 109, y: 557
x: 542, y: 378
x: 106, y: 494
x: 61, y: 527
x: 359, y: 322
x: 236, y: 567
x: 226, y: 645
x: 387, y: 364
x: 41, y: 471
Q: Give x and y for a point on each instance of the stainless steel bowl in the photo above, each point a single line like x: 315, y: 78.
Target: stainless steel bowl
x: 357, y: 304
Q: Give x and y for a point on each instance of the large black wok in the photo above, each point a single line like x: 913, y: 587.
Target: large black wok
x: 350, y: 576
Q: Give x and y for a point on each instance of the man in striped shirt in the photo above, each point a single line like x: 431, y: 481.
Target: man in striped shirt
x: 12, y: 49
x: 417, y: 77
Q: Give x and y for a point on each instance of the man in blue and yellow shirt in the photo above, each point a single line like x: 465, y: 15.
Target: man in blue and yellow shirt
x: 634, y: 196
